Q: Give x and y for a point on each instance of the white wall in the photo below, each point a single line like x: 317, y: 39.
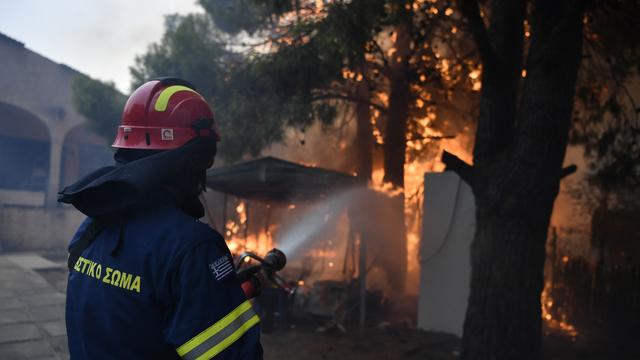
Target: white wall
x: 445, y: 267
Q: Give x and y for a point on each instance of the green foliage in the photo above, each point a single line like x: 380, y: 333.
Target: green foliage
x: 190, y: 49
x: 100, y: 103
x: 254, y: 97
x: 234, y: 16
x: 607, y: 115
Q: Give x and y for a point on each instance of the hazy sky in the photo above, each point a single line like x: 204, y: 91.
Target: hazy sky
x: 97, y: 37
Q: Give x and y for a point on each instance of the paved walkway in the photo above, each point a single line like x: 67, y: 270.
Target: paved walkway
x: 32, y: 308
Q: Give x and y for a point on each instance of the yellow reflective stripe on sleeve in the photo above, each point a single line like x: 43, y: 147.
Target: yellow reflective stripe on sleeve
x: 230, y: 340
x: 165, y: 95
x: 214, y: 329
x: 220, y: 335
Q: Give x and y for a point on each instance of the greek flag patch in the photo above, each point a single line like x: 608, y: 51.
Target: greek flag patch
x: 221, y: 268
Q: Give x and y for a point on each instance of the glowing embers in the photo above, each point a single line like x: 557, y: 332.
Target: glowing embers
x: 559, y: 322
x: 555, y: 317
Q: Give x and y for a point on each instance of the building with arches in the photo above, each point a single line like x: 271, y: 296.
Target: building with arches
x: 44, y: 144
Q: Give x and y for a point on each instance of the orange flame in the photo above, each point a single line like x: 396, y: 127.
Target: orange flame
x: 238, y: 237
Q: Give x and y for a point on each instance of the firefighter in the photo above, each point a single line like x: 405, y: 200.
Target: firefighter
x: 148, y: 280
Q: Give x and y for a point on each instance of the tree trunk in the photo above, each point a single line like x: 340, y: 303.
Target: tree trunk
x: 395, y: 141
x: 364, y: 131
x: 516, y: 180
x: 395, y: 145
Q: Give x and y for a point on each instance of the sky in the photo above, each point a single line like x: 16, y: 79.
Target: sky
x: 97, y: 37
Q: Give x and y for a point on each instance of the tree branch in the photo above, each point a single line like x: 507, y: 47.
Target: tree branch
x: 383, y: 69
x: 431, y: 137
x: 568, y: 171
x: 335, y: 96
x: 471, y: 11
x: 385, y: 62
x: 455, y: 164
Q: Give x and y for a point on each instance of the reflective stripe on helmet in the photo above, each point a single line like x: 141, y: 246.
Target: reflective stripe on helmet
x: 220, y: 335
x: 165, y: 95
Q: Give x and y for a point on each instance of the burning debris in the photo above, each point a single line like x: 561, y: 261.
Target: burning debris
x: 554, y: 314
x: 556, y: 320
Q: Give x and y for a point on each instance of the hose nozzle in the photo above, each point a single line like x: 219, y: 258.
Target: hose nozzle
x: 275, y: 260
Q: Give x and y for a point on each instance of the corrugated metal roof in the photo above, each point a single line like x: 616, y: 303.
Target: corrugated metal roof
x: 271, y: 179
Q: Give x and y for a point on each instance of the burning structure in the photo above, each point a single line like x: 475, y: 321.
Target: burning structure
x: 320, y: 218
x: 322, y: 215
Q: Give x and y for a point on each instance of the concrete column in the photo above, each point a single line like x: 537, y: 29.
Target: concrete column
x: 55, y: 164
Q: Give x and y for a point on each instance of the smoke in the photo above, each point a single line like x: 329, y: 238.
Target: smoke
x: 319, y: 145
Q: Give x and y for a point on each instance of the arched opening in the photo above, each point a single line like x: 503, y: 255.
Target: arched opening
x: 82, y: 152
x: 24, y: 152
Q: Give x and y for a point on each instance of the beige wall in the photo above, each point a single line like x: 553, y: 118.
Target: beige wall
x: 37, y: 228
x: 21, y: 197
x: 43, y: 88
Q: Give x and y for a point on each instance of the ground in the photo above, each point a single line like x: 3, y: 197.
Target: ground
x: 32, y: 327
x: 32, y: 323
x: 376, y: 345
x: 31, y: 308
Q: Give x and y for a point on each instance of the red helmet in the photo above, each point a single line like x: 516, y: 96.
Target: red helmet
x: 164, y: 114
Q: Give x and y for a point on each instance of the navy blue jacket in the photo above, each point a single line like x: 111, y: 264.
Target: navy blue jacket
x: 160, y: 287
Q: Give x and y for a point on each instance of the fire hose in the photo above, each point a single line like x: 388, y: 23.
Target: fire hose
x: 269, y: 265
